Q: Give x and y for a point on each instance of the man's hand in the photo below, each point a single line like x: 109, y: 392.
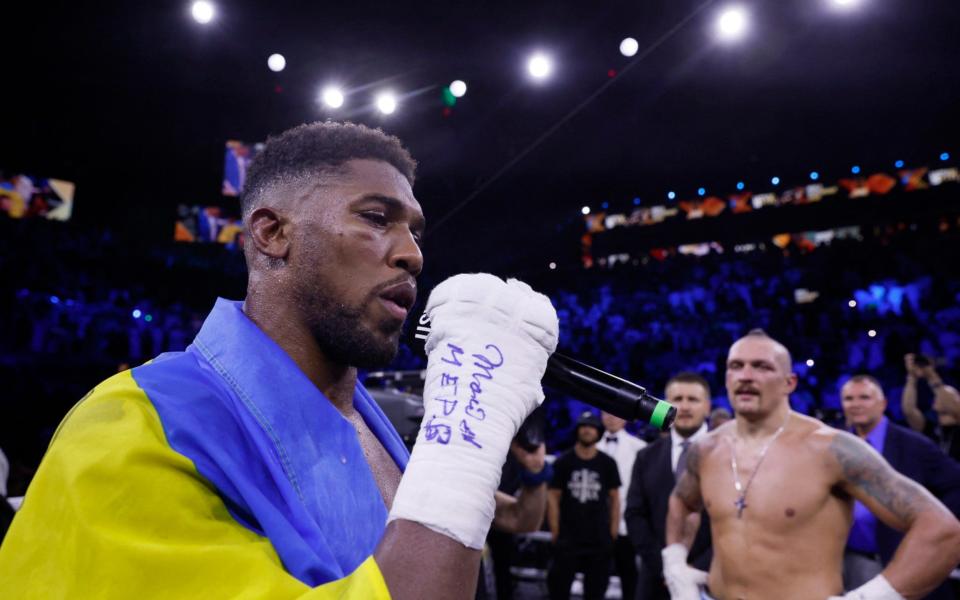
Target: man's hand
x: 532, y: 462
x: 877, y: 588
x: 682, y: 580
x: 910, y: 364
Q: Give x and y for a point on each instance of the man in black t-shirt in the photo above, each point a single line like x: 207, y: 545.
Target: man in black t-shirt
x: 584, y: 514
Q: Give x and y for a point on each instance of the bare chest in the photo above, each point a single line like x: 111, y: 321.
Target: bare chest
x: 785, y: 490
x: 382, y: 466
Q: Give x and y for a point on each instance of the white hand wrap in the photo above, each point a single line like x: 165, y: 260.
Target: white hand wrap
x: 487, y: 352
x: 682, y: 580
x: 877, y: 588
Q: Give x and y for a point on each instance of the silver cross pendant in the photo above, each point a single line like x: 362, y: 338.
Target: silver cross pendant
x: 740, y: 503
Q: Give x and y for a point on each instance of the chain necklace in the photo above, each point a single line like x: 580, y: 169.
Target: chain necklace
x: 741, y: 501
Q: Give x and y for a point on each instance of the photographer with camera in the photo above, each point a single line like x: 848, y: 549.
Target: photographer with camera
x: 946, y: 403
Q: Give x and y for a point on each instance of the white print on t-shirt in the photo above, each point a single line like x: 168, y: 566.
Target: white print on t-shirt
x: 584, y: 485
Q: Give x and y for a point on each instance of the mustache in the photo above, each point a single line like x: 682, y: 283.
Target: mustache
x: 747, y: 390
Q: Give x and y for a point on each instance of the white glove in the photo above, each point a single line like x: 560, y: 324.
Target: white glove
x: 487, y: 352
x: 682, y: 580
x: 877, y: 588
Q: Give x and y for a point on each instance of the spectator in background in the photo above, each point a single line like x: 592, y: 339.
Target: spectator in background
x: 719, y: 416
x: 584, y: 514
x: 946, y: 403
x: 656, y: 470
x: 871, y: 544
x: 623, y: 448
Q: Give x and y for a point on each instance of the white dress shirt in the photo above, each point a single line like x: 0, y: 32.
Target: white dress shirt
x: 624, y: 451
x: 676, y: 441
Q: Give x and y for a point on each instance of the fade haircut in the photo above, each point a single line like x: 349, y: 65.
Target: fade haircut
x: 760, y: 333
x: 319, y: 148
x: 690, y: 377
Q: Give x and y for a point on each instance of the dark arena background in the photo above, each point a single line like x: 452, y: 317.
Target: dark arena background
x: 670, y: 174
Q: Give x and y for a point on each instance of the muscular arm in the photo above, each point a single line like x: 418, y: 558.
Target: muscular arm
x: 408, y: 547
x: 685, y: 500
x: 523, y: 513
x: 931, y: 546
x: 553, y: 513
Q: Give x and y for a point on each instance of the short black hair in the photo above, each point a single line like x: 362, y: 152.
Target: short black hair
x: 689, y: 377
x: 322, y: 146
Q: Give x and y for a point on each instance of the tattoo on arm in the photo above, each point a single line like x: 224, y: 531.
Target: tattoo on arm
x: 688, y: 486
x: 867, y: 472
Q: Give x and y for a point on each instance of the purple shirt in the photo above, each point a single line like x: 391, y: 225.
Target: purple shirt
x: 863, y: 534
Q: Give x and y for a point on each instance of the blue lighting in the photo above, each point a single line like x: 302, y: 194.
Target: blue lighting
x: 898, y: 164
x: 148, y: 318
x: 54, y: 300
x: 814, y: 175
x: 740, y: 185
x: 945, y: 156
x: 636, y: 201
x: 701, y: 191
x: 775, y: 181
x: 855, y: 170
x: 671, y: 195
x: 605, y: 205
x: 136, y: 313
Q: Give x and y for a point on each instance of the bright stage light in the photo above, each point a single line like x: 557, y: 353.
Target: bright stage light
x: 671, y: 195
x: 458, y: 88
x: 810, y: 362
x: 387, y: 103
x: 539, y: 66
x: 732, y: 23
x: 775, y: 181
x: 872, y: 333
x: 945, y: 156
x: 332, y: 97
x: 814, y: 175
x: 701, y: 191
x: 585, y: 210
x: 629, y: 47
x: 553, y: 266
x: 276, y: 62
x: 852, y: 304
x: 845, y: 4
x: 202, y: 12
x: 855, y: 169
x: 898, y: 164
x: 740, y: 185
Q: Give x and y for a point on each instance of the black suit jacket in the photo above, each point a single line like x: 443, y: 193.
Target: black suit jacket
x: 647, y: 504
x: 916, y: 457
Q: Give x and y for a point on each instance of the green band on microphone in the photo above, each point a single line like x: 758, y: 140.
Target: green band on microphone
x: 660, y: 413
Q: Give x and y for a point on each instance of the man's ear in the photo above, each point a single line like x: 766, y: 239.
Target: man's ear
x: 269, y: 232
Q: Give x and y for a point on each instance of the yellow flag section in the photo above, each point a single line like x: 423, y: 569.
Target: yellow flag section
x: 114, y: 512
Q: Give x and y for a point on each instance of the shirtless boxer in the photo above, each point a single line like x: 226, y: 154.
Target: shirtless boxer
x: 779, y: 489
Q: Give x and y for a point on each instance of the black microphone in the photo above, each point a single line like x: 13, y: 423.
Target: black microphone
x: 597, y: 388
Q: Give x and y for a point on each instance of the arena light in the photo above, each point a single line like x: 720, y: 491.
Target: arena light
x: 636, y: 201
x: 540, y: 66
x: 810, y: 362
x: 852, y: 304
x: 458, y: 88
x: 945, y: 156
x: 553, y: 266
x: 775, y: 181
x: 814, y: 175
x: 629, y: 47
x: 701, y: 191
x: 732, y: 23
x: 898, y: 164
x: 855, y: 169
x: 137, y: 313
x: 276, y: 62
x: 386, y: 103
x: 671, y: 195
x: 585, y: 210
x: 872, y: 333
x: 332, y: 97
x: 845, y: 4
x: 202, y: 11
x: 740, y: 185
